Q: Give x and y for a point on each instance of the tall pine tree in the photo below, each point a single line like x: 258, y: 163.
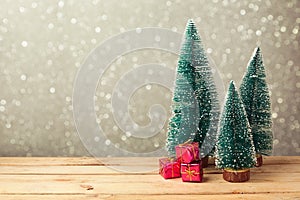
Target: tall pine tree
x: 183, y: 123
x: 193, y: 72
x: 255, y: 96
x: 206, y: 96
x: 234, y: 149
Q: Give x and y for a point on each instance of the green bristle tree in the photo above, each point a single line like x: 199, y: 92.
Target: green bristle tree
x: 206, y: 96
x: 194, y: 89
x: 255, y: 96
x: 183, y: 123
x: 234, y: 149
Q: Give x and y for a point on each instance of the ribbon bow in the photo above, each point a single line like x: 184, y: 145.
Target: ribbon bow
x: 190, y: 173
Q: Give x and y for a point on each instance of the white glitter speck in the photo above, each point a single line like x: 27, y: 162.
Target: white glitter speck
x: 5, y: 20
x: 276, y: 141
x: 52, y: 90
x: 295, y: 31
x: 156, y: 144
x: 128, y: 134
x: 123, y: 137
x: 23, y: 77
x: 274, y: 115
x: 3, y: 101
x: 283, y: 29
x: 258, y: 32
x: 108, y: 96
x: 148, y: 87
x: 24, y: 43
x: 104, y: 17
x: 61, y: 4
x: 68, y: 99
x: 21, y: 9
x: 2, y: 108
x: 17, y: 103
x: 97, y: 139
x: 270, y: 17
x: 243, y: 12
x: 50, y: 26
x: 97, y: 29
x: 107, y: 142
x: 73, y: 20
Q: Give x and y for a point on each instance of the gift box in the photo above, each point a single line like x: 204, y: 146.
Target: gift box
x: 192, y: 172
x: 187, y: 152
x: 169, y: 168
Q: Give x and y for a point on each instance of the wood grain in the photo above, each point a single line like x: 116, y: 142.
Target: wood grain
x: 274, y: 196
x: 90, y: 178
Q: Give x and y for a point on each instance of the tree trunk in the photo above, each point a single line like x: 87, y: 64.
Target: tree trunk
x: 204, y: 162
x: 259, y: 160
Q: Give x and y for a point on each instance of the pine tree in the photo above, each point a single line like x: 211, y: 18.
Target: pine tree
x: 206, y: 96
x: 234, y: 149
x: 194, y: 72
x: 255, y: 96
x: 183, y: 123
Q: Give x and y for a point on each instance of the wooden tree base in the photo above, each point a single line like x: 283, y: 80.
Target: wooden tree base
x: 236, y: 176
x: 204, y: 162
x: 259, y: 160
x: 212, y: 161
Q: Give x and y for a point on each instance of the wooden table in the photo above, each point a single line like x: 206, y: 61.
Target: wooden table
x: 88, y: 178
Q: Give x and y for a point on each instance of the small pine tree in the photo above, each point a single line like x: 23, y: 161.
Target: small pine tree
x: 255, y: 96
x: 234, y: 149
x: 183, y: 123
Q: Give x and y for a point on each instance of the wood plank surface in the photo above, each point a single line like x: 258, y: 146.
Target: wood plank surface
x: 274, y: 196
x: 90, y: 178
x: 90, y: 170
x: 89, y: 161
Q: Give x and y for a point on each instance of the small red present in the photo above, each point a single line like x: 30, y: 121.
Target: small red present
x: 192, y: 172
x: 187, y: 152
x: 169, y: 168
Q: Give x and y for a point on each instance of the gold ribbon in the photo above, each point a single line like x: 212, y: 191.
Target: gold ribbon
x: 190, y: 173
x: 172, y: 164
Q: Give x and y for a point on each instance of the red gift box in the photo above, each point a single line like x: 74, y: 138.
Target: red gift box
x: 169, y: 168
x: 192, y: 172
x: 187, y: 152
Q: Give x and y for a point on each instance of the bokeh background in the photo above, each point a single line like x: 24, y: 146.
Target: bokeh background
x: 43, y: 43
